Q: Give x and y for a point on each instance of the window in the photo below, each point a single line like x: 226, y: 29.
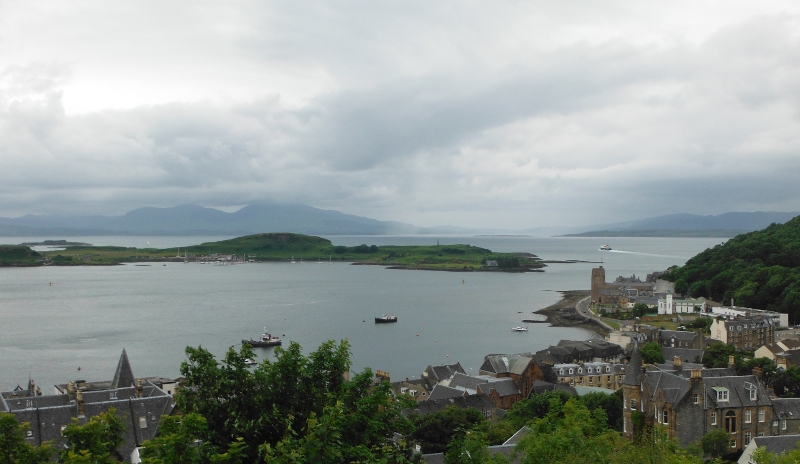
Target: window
x: 713, y: 418
x: 608, y: 368
x: 571, y: 370
x: 761, y: 414
x: 696, y: 398
x: 113, y: 395
x: 747, y: 438
x: 783, y: 424
x: 142, y: 422
x: 561, y: 372
x: 747, y: 414
x: 29, y: 433
x: 62, y: 429
x: 775, y: 423
x: 730, y: 421
x: 666, y: 416
x: 722, y: 393
x: 733, y: 443
x: 588, y: 370
x: 633, y: 403
x: 753, y: 394
x: 760, y: 434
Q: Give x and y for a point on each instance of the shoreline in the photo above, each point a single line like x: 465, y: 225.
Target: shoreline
x: 563, y: 312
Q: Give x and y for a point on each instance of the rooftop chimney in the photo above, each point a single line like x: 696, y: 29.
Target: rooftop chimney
x: 79, y: 400
x: 731, y: 362
x: 677, y: 363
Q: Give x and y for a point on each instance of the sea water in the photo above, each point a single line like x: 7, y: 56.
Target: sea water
x: 69, y: 323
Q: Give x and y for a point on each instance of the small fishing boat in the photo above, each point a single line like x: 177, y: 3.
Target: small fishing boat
x: 605, y: 248
x: 385, y: 319
x: 266, y: 339
x: 250, y: 362
x: 520, y: 328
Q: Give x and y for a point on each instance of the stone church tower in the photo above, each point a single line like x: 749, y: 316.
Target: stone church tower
x: 598, y: 282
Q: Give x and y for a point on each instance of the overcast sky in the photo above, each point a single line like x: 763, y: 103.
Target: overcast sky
x: 486, y: 114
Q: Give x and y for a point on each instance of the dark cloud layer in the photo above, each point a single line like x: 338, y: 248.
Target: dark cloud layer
x: 516, y: 116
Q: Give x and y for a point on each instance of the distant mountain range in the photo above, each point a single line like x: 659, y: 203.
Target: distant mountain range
x: 198, y: 220
x: 689, y: 225
x: 303, y: 219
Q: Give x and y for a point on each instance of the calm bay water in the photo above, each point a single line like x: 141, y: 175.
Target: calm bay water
x: 77, y: 327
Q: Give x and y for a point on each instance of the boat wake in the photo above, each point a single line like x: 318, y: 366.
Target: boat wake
x: 648, y: 254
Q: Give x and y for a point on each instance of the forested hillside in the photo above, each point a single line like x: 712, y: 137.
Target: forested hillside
x: 758, y: 270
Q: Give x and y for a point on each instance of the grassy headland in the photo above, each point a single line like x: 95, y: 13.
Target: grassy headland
x: 286, y: 246
x: 18, y: 255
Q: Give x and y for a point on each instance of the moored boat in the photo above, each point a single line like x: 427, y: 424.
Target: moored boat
x: 385, y: 319
x: 522, y: 328
x: 605, y: 248
x: 266, y: 339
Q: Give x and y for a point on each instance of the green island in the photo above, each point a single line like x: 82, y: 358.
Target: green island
x: 283, y: 247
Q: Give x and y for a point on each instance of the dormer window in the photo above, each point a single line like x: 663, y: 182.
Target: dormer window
x: 571, y: 370
x: 722, y: 393
x: 608, y: 368
x: 753, y: 394
x: 589, y: 370
x: 561, y: 372
x: 580, y: 370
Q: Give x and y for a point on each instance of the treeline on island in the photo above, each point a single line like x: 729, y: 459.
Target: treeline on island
x: 759, y: 270
x: 283, y: 247
x: 302, y: 409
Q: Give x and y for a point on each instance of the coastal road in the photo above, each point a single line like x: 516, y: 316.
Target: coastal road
x: 583, y: 309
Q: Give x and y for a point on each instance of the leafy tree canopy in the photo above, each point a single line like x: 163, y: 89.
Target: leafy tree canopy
x: 760, y: 269
x: 297, y: 408
x: 651, y: 353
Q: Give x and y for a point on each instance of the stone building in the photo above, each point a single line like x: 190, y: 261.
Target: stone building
x: 746, y: 333
x: 690, y: 403
x: 603, y: 292
x: 591, y: 374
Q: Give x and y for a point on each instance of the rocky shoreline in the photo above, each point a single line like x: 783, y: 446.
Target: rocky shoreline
x: 564, y: 314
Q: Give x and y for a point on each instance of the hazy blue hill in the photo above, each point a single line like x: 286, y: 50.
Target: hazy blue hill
x: 690, y: 225
x: 197, y: 220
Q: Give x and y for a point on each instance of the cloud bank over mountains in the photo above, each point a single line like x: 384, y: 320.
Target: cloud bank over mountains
x: 503, y: 114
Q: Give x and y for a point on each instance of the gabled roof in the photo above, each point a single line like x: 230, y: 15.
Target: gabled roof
x: 446, y: 371
x: 504, y: 387
x: 677, y: 335
x: 506, y: 363
x: 790, y: 343
x: 441, y: 392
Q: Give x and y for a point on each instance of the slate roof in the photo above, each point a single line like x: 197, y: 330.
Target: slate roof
x: 673, y: 386
x: 506, y: 363
x: 540, y: 386
x: 787, y: 408
x: 677, y: 335
x: 686, y: 354
x: 441, y: 392
x: 634, y: 367
x: 446, y: 371
x: 504, y: 387
x: 778, y: 444
x: 738, y: 393
x: 790, y: 343
x: 471, y: 382
x: 123, y: 377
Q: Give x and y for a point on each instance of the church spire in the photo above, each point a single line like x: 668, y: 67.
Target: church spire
x: 123, y: 377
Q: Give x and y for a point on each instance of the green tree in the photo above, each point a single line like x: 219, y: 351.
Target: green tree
x: 94, y: 442
x: 651, y: 353
x: 287, y: 407
x: 717, y: 355
x: 436, y: 430
x: 13, y: 446
x: 579, y: 436
x: 716, y: 442
x: 681, y: 286
x: 180, y: 442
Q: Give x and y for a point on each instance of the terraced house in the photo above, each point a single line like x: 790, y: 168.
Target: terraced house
x: 746, y: 333
x: 592, y: 374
